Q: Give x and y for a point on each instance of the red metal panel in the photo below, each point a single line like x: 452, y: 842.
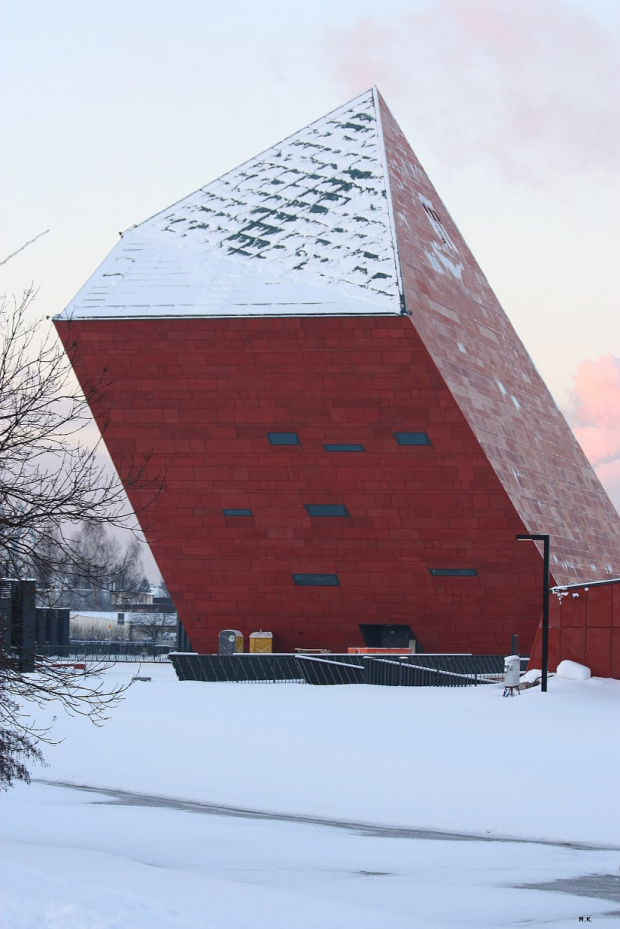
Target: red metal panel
x: 573, y: 644
x: 598, y: 605
x: 598, y: 650
x: 615, y: 653
x: 555, y: 648
x: 615, y: 604
x: 573, y: 608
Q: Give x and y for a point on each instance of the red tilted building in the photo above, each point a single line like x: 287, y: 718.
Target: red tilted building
x: 351, y: 432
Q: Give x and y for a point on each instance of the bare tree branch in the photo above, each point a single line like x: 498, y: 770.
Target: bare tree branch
x: 22, y: 247
x: 55, y: 494
x: 51, y: 482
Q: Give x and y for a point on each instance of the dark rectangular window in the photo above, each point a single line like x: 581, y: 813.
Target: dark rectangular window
x: 283, y: 438
x: 453, y: 572
x: 237, y: 512
x: 412, y: 438
x: 344, y: 447
x: 316, y: 580
x: 326, y: 509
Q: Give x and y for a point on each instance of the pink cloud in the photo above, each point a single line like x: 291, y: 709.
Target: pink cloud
x: 609, y: 476
x: 596, y: 413
x: 533, y: 85
x: 597, y: 392
x: 600, y: 445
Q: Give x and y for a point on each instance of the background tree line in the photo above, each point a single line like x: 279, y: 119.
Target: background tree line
x: 58, y: 502
x: 105, y: 568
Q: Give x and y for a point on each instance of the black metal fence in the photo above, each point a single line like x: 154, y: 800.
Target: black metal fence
x: 434, y: 670
x: 106, y: 651
x: 242, y: 668
x: 419, y: 670
x: 332, y: 669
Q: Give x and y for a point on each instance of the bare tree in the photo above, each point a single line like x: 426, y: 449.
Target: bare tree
x: 109, y: 568
x: 18, y: 745
x: 77, y: 688
x: 52, y: 485
x: 22, y: 247
x: 51, y: 481
x: 152, y: 626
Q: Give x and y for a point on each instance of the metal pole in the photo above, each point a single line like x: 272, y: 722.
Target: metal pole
x: 545, y: 616
x: 544, y: 538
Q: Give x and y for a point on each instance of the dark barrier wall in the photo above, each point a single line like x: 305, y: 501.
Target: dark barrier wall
x: 23, y: 622
x: 405, y: 671
x: 25, y: 628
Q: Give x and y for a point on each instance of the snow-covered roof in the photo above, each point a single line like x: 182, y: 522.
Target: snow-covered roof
x: 305, y: 228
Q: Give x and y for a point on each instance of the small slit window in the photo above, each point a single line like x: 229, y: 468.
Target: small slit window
x: 453, y: 572
x: 437, y: 224
x: 283, y: 438
x: 412, y: 438
x: 344, y: 447
x: 326, y: 509
x: 239, y: 511
x: 316, y: 580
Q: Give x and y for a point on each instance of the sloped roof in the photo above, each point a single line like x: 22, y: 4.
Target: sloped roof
x: 537, y: 458
x: 340, y: 219
x: 302, y: 229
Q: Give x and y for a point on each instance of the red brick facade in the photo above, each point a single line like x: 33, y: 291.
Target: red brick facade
x: 203, y: 394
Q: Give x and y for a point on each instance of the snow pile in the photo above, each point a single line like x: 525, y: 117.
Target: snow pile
x: 573, y: 671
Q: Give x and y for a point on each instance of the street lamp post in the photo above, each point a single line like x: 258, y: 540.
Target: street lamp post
x: 544, y: 538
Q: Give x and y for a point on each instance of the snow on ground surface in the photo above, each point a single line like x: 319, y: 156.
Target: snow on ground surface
x: 535, y: 767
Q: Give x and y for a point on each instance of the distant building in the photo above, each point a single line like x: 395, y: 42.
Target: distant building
x: 134, y: 624
x: 97, y: 624
x: 119, y: 597
x: 351, y: 431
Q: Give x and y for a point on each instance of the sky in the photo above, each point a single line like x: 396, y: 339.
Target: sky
x: 113, y: 111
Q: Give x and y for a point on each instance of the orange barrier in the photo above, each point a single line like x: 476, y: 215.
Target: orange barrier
x: 379, y: 651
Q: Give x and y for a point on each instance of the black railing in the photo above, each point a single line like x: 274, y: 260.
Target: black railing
x: 241, y: 668
x: 403, y: 670
x: 436, y: 671
x: 418, y: 670
x: 332, y: 669
x: 106, y: 651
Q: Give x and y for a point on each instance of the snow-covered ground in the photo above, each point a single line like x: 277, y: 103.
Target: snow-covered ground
x: 537, y: 767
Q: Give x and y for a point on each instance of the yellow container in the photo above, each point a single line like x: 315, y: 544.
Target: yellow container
x: 261, y: 641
